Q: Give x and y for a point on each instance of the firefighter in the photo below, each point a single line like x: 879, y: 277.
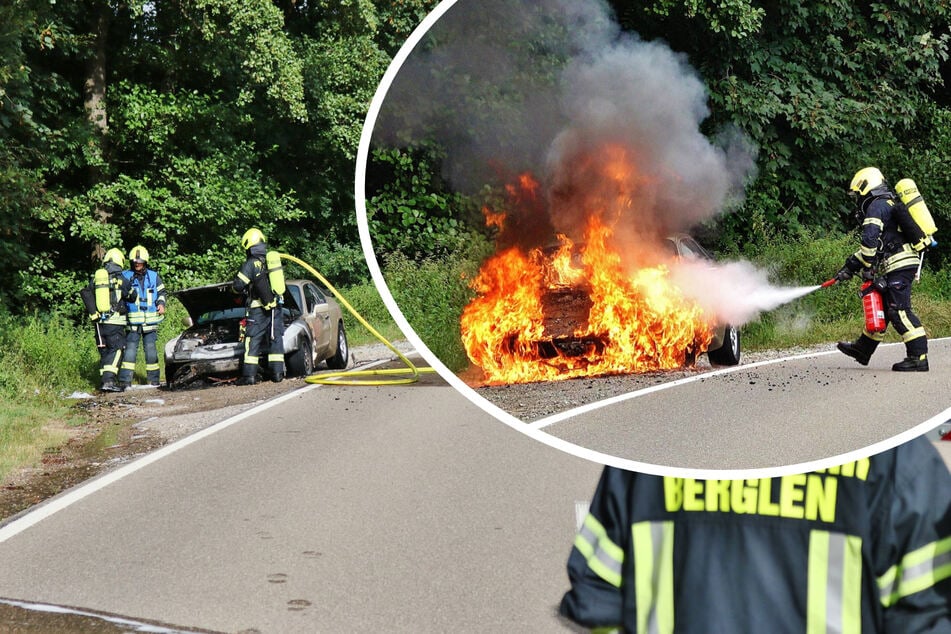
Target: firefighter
x: 264, y: 328
x: 859, y: 548
x: 145, y: 314
x: 109, y: 292
x: 885, y: 253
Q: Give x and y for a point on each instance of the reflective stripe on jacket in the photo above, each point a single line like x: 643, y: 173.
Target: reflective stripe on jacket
x: 151, y: 293
x: 861, y: 548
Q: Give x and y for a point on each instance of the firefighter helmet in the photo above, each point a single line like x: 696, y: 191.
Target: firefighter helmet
x: 252, y: 237
x: 139, y: 254
x: 866, y: 180
x: 115, y: 256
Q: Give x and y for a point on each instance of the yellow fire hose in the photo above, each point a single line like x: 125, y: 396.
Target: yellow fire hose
x: 340, y: 378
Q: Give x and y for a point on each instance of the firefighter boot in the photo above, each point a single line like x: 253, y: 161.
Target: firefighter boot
x: 861, y: 349
x: 916, y: 359
x: 912, y: 364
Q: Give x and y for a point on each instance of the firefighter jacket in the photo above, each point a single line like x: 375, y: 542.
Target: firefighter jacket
x: 112, y: 292
x: 882, y: 240
x: 861, y: 548
x: 151, y: 294
x: 252, y: 279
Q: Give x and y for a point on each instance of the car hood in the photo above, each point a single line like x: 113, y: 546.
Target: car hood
x: 204, y: 299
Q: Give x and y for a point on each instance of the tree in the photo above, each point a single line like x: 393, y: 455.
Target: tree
x: 824, y: 89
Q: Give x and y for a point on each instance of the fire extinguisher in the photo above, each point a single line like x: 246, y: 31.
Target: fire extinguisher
x: 873, y: 307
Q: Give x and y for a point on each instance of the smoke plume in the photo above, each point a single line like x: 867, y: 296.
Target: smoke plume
x: 608, y: 124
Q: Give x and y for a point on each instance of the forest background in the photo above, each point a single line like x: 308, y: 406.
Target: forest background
x: 178, y: 124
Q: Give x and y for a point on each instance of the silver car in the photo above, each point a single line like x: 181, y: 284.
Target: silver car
x: 212, y: 344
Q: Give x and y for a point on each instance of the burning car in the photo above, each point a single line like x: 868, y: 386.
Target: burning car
x: 578, y: 310
x: 724, y: 348
x: 212, y: 346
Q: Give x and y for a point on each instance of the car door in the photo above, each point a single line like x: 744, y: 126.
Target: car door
x: 318, y: 311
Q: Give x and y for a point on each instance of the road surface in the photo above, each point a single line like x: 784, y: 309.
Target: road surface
x: 797, y: 411
x: 338, y: 509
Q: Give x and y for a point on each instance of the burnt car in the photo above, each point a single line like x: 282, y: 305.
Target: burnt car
x: 212, y: 344
x: 567, y: 306
x: 725, y: 347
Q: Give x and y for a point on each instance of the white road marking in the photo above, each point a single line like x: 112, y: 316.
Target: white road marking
x: 584, y: 409
x: 41, y: 512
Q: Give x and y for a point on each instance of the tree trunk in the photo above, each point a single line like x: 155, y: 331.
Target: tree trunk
x: 94, y: 102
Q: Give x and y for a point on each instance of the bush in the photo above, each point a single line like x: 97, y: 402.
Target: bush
x: 367, y: 302
x: 431, y: 294
x: 45, y: 358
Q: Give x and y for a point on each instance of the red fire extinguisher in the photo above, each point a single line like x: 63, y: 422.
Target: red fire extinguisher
x: 873, y: 307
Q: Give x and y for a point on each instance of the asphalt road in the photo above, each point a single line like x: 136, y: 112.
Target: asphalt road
x: 798, y: 411
x: 338, y: 509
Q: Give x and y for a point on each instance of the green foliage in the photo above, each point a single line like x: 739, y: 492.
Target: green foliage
x: 45, y: 358
x: 397, y: 20
x: 412, y: 212
x: 251, y: 33
x: 367, y: 302
x: 822, y: 88
x: 431, y: 294
x: 221, y: 116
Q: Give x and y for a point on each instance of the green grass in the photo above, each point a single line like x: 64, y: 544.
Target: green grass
x: 366, y: 301
x: 42, y: 361
x: 27, y: 432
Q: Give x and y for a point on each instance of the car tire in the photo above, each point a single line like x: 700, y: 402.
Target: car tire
x: 342, y: 357
x: 729, y: 352
x: 301, y: 361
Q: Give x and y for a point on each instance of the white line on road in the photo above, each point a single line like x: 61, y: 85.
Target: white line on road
x: 570, y: 413
x: 41, y: 512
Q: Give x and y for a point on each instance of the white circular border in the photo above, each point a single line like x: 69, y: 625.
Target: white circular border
x: 497, y: 412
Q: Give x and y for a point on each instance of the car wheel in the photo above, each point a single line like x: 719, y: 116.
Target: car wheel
x: 729, y: 352
x: 342, y: 357
x: 301, y: 361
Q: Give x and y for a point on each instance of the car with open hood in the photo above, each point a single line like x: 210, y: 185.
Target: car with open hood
x: 212, y: 344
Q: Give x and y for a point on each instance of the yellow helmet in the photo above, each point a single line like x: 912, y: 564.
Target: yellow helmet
x: 114, y: 255
x: 252, y: 237
x: 865, y: 180
x: 139, y: 254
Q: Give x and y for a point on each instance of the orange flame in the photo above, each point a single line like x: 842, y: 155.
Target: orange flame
x: 575, y: 311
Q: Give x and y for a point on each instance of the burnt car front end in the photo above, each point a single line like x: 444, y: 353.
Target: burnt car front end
x: 211, y: 344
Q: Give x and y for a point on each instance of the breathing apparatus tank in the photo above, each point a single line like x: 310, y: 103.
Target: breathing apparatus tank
x: 103, y: 295
x: 908, y: 193
x: 873, y: 307
x: 275, y: 272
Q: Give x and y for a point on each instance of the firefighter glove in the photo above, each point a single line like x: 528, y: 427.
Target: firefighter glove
x: 843, y: 274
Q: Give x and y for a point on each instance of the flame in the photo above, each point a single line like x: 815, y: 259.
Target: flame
x: 544, y: 315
